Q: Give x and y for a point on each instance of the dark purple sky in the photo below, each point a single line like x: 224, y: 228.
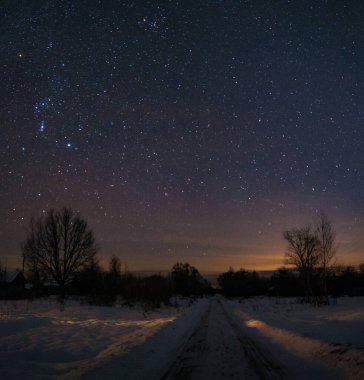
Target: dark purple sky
x: 183, y: 130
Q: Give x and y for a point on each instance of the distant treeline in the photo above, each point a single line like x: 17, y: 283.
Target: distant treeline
x: 289, y: 283
x: 106, y: 287
x: 97, y: 286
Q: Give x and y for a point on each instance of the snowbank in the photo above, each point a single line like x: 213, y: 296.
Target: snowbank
x: 334, y: 334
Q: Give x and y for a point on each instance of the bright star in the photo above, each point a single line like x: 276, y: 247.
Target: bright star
x: 41, y: 126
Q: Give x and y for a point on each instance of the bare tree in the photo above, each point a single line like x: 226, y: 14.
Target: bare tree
x: 36, y: 273
x: 58, y: 244
x: 114, y: 275
x: 326, y: 246
x: 115, y: 266
x: 303, y: 254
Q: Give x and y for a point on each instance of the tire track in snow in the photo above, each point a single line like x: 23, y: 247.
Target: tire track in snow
x: 183, y: 367
x: 264, y: 366
x: 218, y: 349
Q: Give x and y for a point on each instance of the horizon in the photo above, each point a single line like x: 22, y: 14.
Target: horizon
x: 126, y: 269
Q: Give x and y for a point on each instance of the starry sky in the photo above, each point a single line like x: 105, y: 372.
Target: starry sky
x: 186, y: 130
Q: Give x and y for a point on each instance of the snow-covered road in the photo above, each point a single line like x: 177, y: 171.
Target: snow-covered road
x: 218, y: 350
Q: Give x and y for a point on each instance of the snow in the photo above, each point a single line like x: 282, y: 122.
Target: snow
x: 38, y: 340
x: 333, y: 335
x: 152, y: 359
x: 213, y: 338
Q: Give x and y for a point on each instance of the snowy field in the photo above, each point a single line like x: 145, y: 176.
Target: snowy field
x: 40, y: 341
x: 332, y: 335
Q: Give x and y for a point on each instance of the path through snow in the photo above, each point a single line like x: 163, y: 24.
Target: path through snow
x: 220, y: 349
x: 217, y: 350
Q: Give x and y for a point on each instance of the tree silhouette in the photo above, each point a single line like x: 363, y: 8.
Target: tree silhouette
x: 302, y: 252
x: 326, y: 247
x: 58, y: 244
x: 285, y: 283
x: 89, y: 283
x: 2, y: 273
x: 187, y: 281
x: 241, y: 283
x: 361, y: 269
x: 113, y: 279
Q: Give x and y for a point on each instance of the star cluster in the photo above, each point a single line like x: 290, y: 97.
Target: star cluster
x: 183, y: 130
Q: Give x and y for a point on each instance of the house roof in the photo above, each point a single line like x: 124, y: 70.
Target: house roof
x: 12, y: 277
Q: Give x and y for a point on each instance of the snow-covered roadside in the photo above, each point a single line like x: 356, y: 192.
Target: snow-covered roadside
x: 37, y: 340
x: 329, y: 334
x: 152, y: 359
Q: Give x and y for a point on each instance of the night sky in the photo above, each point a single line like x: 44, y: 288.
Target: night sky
x: 183, y: 130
